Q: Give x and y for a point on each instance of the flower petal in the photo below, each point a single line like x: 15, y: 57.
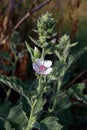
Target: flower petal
x: 35, y: 67
x: 42, y: 67
x: 39, y: 62
x: 47, y: 63
x: 48, y: 71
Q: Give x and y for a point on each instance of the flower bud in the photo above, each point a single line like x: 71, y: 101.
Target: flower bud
x: 37, y: 53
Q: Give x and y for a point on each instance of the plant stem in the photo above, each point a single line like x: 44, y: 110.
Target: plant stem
x: 43, y: 53
x: 39, y: 89
x: 57, y: 92
x: 32, y: 117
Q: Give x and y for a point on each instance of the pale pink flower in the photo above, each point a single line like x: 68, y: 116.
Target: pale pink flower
x: 42, y: 66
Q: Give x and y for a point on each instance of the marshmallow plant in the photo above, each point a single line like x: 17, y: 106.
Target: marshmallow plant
x: 44, y: 103
x: 45, y: 71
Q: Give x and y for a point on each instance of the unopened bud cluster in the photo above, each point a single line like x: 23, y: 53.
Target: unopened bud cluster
x: 45, y: 27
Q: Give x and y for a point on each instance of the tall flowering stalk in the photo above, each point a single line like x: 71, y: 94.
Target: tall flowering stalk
x: 45, y: 29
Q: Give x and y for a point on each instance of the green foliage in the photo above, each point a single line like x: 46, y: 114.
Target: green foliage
x: 63, y: 101
x: 12, y: 117
x: 38, y: 106
x: 4, y: 109
x: 63, y: 48
x: 52, y: 123
x: 14, y: 83
x: 45, y: 26
x: 8, y: 126
x: 45, y: 30
x: 15, y: 38
x: 77, y: 92
x: 1, y: 124
x: 17, y: 116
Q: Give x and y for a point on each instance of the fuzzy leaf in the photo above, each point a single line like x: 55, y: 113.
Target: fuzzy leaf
x: 80, y: 53
x: 52, y: 123
x: 2, y: 124
x: 40, y: 126
x: 30, y: 50
x: 39, y: 105
x: 18, y: 116
x: 4, y: 109
x: 15, y: 84
x: 77, y: 91
x: 7, y: 126
x: 63, y: 101
x: 15, y: 38
x: 34, y: 41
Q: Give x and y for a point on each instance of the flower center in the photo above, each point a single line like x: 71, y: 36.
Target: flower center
x: 42, y: 67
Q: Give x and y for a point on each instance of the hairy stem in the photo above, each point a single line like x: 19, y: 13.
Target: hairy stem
x: 55, y: 98
x: 32, y: 117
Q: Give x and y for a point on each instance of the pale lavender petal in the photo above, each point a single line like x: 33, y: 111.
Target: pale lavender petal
x: 47, y: 63
x: 49, y: 70
x: 40, y: 72
x: 35, y: 67
x: 39, y: 62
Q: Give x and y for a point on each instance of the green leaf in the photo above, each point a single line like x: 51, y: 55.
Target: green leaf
x: 52, y: 123
x: 39, y: 105
x: 15, y: 38
x: 63, y: 41
x: 34, y: 41
x: 4, y: 109
x: 58, y: 69
x: 24, y: 103
x: 18, y: 116
x: 63, y: 101
x: 77, y: 91
x: 30, y: 50
x: 77, y: 55
x: 2, y: 124
x: 7, y: 126
x: 80, y: 53
x: 40, y: 126
x: 16, y: 84
x: 73, y: 44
